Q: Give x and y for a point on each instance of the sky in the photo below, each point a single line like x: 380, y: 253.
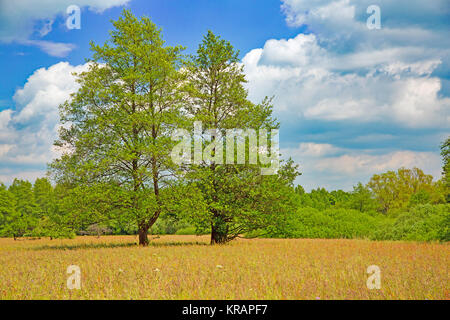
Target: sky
x: 352, y: 100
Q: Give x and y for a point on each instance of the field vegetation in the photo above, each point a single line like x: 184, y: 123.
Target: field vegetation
x: 187, y: 267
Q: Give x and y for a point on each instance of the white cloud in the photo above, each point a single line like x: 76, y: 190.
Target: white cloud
x: 297, y: 52
x: 325, y: 165
x: 310, y: 149
x: 5, y: 118
x: 357, y: 87
x: 319, y: 14
x: 55, y: 49
x: 8, y: 176
x: 365, y: 163
x: 27, y: 132
x: 341, y: 21
x: 44, y: 90
x: 46, y: 28
x: 393, y: 85
x: 19, y: 20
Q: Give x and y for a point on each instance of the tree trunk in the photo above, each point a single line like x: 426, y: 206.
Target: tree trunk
x: 217, y: 237
x: 219, y: 231
x: 143, y: 236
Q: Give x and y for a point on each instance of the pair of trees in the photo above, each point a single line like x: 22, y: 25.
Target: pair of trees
x: 116, y: 138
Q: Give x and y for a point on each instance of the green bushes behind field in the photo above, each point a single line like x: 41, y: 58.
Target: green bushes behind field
x: 421, y: 223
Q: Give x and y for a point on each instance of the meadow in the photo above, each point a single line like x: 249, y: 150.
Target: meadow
x: 186, y: 267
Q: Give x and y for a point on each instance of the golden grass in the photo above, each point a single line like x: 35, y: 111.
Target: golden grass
x: 184, y: 267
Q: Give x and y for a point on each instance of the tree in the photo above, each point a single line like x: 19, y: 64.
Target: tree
x: 234, y: 194
x: 27, y: 214
x: 300, y: 190
x: 7, y: 211
x: 44, y: 197
x: 393, y: 190
x: 117, y: 126
x: 318, y: 198
x: 57, y: 220
x: 362, y: 198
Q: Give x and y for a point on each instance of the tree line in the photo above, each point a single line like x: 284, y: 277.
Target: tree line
x: 397, y: 205
x: 116, y: 173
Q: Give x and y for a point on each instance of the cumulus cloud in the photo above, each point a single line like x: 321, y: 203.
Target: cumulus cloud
x: 342, y: 23
x: 325, y: 165
x: 19, y: 20
x: 27, y: 132
x: 340, y: 87
x: 55, y: 49
x: 379, y: 86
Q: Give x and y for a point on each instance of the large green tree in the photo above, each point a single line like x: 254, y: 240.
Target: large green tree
x: 238, y: 198
x: 393, y: 190
x: 117, y: 126
x: 44, y: 196
x: 27, y: 212
x: 8, y: 211
x: 362, y: 198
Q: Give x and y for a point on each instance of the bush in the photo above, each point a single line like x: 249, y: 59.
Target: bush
x: 331, y: 223
x: 421, y: 223
x: 186, y: 231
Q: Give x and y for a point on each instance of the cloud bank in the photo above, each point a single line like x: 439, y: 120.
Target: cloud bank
x: 19, y: 20
x: 368, y: 93
x: 27, y: 132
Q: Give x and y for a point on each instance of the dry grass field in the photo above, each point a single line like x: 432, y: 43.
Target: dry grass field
x: 185, y: 267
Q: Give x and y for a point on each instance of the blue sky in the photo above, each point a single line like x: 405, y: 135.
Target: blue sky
x: 352, y: 101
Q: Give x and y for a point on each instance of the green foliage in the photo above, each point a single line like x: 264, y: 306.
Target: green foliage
x: 320, y: 199
x: 186, y: 231
x: 422, y: 223
x: 362, y: 199
x: 402, y: 205
x: 331, y: 223
x: 394, y: 190
x: 8, y: 213
x: 7, y: 203
x: 236, y: 197
x: 43, y: 196
x: 119, y: 123
x: 26, y: 214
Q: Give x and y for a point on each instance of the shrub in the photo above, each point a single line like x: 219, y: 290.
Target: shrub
x: 421, y: 223
x: 186, y: 231
x: 331, y: 223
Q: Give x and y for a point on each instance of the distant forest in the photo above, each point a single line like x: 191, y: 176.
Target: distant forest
x: 402, y: 205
